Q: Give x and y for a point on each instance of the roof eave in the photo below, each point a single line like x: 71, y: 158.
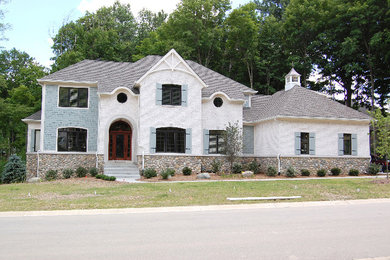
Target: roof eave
x: 68, y: 82
x: 310, y: 118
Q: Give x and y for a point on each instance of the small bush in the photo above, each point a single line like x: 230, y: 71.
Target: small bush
x: 321, y: 173
x: 237, y: 168
x: 216, y: 166
x: 99, y: 176
x: 271, y: 171
x: 67, y: 173
x: 165, y: 174
x: 254, y: 167
x: 305, y: 172
x: 81, y: 172
x: 187, y: 171
x: 14, y: 170
x: 93, y: 171
x: 290, y: 172
x: 105, y: 177
x: 51, y: 175
x: 149, y: 173
x: 170, y: 171
x: 353, y: 172
x: 373, y: 169
x: 335, y: 171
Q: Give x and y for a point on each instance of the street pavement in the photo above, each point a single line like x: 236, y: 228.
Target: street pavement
x: 287, y: 231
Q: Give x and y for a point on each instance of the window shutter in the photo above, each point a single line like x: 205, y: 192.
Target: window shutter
x: 312, y: 143
x: 32, y: 140
x: 297, y: 143
x: 189, y: 140
x: 158, y: 94
x: 184, y: 95
x: 354, y: 144
x: 152, y: 143
x: 205, y: 141
x: 341, y: 144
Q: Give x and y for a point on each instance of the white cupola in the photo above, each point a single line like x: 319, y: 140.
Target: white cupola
x: 293, y: 79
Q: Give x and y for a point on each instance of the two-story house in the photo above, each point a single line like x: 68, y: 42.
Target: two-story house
x: 162, y: 112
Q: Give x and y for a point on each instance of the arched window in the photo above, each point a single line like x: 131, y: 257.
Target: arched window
x: 72, y: 140
x: 170, y: 140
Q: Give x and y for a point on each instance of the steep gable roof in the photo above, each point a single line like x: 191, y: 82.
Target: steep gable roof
x: 34, y: 117
x: 109, y: 75
x: 299, y: 102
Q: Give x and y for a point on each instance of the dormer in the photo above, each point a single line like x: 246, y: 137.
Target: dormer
x: 293, y: 79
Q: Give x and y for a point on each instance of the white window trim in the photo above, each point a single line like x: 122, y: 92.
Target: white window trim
x: 61, y: 152
x: 82, y: 108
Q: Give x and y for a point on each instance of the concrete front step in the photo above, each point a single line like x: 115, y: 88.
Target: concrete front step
x: 122, y: 170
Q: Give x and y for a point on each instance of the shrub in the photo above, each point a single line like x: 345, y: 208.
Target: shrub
x: 254, y: 167
x: 290, y: 172
x: 373, y: 169
x: 170, y: 171
x: 321, y: 173
x: 353, y: 172
x: 99, y: 176
x: 149, y: 173
x: 51, y: 175
x: 216, y: 166
x: 14, y: 170
x: 81, y: 172
x: 93, y: 171
x: 237, y: 168
x: 187, y: 171
x: 271, y: 171
x: 335, y: 171
x: 67, y: 173
x: 165, y: 174
x: 105, y: 177
x: 305, y: 172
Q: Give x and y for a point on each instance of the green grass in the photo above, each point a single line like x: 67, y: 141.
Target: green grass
x: 80, y: 194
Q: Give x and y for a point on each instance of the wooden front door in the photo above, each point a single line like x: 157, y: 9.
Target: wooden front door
x: 120, y: 141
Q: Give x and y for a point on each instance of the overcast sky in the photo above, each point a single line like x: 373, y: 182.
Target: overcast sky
x: 34, y: 22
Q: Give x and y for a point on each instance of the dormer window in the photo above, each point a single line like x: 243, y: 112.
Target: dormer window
x: 171, y: 95
x: 247, y: 101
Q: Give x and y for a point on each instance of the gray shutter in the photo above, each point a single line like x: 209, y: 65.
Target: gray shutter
x: 354, y: 144
x: 206, y: 141
x: 152, y: 143
x: 32, y: 140
x: 189, y: 140
x: 184, y: 95
x: 158, y: 94
x: 312, y: 143
x: 248, y: 137
x: 297, y: 143
x: 341, y: 144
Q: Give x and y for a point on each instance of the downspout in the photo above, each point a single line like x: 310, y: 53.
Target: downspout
x: 37, y: 164
x: 278, y: 157
x: 97, y: 160
x: 143, y: 159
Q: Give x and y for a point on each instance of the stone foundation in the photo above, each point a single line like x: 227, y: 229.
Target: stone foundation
x: 60, y: 162
x: 203, y: 163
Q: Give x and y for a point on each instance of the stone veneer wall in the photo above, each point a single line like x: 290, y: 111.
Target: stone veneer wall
x: 203, y: 163
x: 60, y: 162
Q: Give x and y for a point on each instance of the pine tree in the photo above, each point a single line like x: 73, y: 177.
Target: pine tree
x: 14, y: 170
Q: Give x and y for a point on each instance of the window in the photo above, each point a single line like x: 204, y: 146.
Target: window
x: 294, y: 79
x: 247, y: 101
x: 72, y: 140
x: 122, y: 98
x: 37, y: 140
x: 73, y: 97
x: 305, y: 143
x: 347, y: 144
x: 171, y: 95
x: 218, y: 102
x: 170, y: 140
x: 216, y: 142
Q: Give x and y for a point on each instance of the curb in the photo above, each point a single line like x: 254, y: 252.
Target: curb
x: 189, y: 208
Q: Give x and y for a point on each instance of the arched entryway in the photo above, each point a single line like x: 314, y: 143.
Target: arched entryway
x: 119, y: 147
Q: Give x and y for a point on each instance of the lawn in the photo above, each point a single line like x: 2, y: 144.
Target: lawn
x: 89, y: 193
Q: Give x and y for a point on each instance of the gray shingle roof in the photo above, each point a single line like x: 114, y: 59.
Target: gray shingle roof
x: 110, y: 75
x: 298, y: 102
x: 35, y: 116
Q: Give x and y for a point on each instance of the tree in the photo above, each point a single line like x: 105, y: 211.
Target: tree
x: 381, y: 125
x: 3, y: 26
x: 233, y: 142
x: 14, y: 170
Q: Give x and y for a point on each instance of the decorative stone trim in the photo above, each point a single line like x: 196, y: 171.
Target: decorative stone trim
x: 60, y: 162
x: 203, y: 163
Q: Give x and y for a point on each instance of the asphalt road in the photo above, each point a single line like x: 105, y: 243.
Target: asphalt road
x: 321, y: 232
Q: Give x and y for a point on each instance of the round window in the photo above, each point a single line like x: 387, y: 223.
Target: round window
x: 218, y: 102
x: 122, y: 97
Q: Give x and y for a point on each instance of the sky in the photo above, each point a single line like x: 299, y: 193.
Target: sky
x: 34, y: 22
